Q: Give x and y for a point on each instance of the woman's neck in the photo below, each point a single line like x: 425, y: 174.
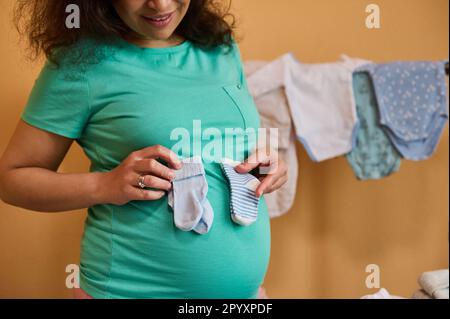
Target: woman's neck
x: 153, y: 43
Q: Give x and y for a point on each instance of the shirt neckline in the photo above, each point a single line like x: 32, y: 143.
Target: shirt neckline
x: 171, y: 49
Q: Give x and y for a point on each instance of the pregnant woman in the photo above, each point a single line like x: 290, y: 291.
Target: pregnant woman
x: 119, y: 85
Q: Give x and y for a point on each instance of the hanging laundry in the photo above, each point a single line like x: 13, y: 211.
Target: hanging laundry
x: 274, y: 113
x: 373, y: 155
x: 413, y: 104
x: 320, y: 99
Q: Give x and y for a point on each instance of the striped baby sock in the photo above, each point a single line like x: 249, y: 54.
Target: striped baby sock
x: 192, y: 210
x: 244, y: 202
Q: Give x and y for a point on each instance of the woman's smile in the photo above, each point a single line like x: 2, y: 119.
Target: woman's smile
x: 159, y: 21
x: 152, y: 23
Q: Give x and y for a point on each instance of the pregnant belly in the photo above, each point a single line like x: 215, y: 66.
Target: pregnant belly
x: 135, y: 251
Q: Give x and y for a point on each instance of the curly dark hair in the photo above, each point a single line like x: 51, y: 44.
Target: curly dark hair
x: 207, y: 23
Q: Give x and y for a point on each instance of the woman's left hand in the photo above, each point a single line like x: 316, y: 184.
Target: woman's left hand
x: 276, y: 172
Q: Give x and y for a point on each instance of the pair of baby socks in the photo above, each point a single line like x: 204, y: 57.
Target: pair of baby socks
x: 187, y: 198
x: 192, y: 210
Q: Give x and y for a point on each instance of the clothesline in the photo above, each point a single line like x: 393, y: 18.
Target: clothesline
x: 342, y: 123
x: 395, y: 110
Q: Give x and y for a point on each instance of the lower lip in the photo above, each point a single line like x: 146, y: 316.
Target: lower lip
x: 160, y: 24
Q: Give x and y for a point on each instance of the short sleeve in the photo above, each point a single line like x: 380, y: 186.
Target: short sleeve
x: 59, y: 102
x: 270, y: 77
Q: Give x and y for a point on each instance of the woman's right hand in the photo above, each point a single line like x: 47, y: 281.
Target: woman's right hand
x: 121, y: 185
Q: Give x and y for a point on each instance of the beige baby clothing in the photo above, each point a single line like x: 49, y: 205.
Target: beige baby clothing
x: 274, y: 112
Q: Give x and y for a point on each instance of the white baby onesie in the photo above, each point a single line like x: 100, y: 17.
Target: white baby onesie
x: 320, y: 98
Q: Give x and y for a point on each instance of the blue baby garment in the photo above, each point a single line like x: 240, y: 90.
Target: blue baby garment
x: 243, y: 202
x: 412, y: 103
x: 373, y: 155
x: 187, y: 198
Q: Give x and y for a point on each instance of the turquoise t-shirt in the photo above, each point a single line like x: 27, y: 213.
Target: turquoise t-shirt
x: 134, y: 98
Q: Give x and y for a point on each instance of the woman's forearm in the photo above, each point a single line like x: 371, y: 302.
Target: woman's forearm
x: 44, y: 190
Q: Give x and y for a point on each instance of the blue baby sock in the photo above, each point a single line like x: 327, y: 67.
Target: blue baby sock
x: 205, y: 223
x: 192, y: 210
x: 244, y: 202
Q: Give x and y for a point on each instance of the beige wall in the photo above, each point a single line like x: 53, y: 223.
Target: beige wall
x: 338, y: 225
